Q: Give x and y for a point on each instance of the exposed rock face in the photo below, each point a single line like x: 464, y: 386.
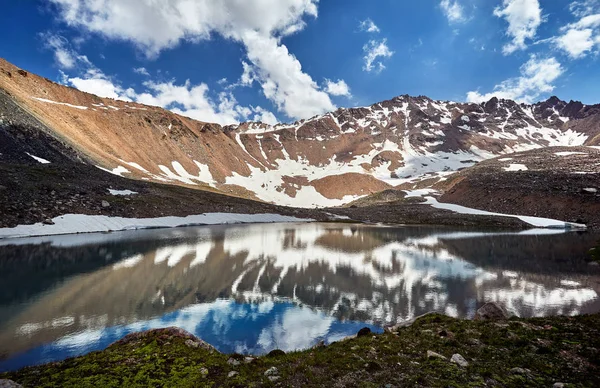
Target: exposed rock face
x: 323, y: 161
x: 490, y: 311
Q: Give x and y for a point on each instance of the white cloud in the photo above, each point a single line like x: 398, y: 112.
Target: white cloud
x: 584, y: 7
x: 264, y: 116
x: 373, y: 50
x: 523, y: 17
x: 453, y: 10
x: 186, y: 99
x: 65, y: 56
x: 141, y: 71
x: 579, y: 39
x: 259, y: 24
x: 248, y: 76
x: 339, y: 88
x: 576, y: 42
x: 96, y: 82
x: 193, y: 101
x: 537, y: 77
x: 368, y: 26
x: 282, y: 79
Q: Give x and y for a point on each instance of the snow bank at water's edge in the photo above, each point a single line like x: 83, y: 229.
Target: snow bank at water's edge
x: 534, y: 221
x: 82, y: 223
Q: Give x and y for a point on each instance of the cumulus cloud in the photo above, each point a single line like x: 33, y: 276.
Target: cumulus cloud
x: 339, y: 88
x: 453, y: 11
x: 258, y: 24
x: 580, y: 38
x: 523, y: 17
x: 187, y: 99
x: 282, y: 79
x: 368, y: 26
x: 194, y: 101
x: 577, y: 43
x: 263, y: 115
x: 537, y: 77
x: 373, y: 50
x: 96, y: 82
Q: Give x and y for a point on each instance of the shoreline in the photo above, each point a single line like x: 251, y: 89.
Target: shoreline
x: 433, y: 350
x: 74, y: 224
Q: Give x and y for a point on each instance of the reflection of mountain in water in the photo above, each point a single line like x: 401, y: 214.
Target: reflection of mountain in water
x: 358, y: 273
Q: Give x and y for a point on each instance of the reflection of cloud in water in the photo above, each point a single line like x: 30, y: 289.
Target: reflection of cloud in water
x: 344, y: 273
x: 227, y: 325
x: 295, y: 329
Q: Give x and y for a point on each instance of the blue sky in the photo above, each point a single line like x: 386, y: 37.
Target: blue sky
x: 282, y: 60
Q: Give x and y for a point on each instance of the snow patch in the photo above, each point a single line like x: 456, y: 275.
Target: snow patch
x: 119, y: 171
x: 121, y: 192
x: 419, y: 193
x: 516, y: 167
x: 568, y: 153
x: 38, y: 159
x: 534, y: 221
x: 129, y: 262
x: 60, y: 103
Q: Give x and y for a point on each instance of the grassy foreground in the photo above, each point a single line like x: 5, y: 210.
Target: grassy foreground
x: 537, y: 352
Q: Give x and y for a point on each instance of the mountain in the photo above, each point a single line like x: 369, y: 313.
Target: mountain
x: 327, y: 160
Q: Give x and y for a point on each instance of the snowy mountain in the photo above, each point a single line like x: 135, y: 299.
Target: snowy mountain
x: 327, y: 160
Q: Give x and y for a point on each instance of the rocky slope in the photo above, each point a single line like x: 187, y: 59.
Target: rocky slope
x: 556, y: 182
x: 327, y: 160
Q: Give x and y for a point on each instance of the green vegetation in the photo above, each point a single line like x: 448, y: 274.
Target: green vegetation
x: 595, y: 253
x: 513, y: 353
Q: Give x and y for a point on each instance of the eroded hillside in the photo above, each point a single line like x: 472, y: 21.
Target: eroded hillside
x: 327, y: 160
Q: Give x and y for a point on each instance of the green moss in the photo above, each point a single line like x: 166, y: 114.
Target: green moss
x: 548, y: 350
x: 595, y: 253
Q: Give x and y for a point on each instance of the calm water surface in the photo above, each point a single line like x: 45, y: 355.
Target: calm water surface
x: 254, y: 288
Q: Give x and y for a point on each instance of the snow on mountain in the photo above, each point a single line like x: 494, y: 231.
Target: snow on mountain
x: 327, y: 160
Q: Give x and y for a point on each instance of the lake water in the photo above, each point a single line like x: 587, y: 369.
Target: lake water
x: 254, y: 288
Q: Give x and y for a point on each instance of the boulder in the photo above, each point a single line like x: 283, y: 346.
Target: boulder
x: 431, y: 354
x: 459, y: 360
x: 9, y: 384
x: 272, y: 371
x: 490, y: 311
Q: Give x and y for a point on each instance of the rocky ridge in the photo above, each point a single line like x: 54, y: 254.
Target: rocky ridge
x: 327, y: 160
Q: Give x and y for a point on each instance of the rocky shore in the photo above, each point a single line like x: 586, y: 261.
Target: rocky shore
x: 491, y: 350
